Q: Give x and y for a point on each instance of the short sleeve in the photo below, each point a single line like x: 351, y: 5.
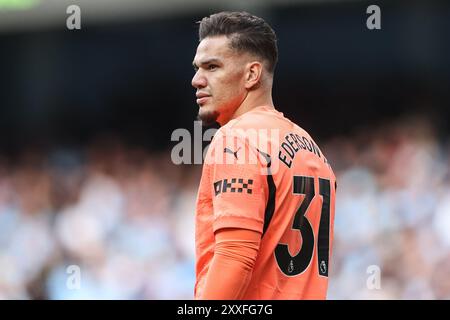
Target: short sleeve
x: 239, y: 187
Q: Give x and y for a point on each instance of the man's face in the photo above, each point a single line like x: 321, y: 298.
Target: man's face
x: 219, y: 79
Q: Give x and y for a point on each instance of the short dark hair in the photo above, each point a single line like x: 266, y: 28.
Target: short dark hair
x: 248, y: 33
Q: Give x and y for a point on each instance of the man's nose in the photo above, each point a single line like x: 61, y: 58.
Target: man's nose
x: 198, y: 81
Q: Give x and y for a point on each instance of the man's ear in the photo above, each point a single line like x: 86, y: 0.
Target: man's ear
x: 253, y: 74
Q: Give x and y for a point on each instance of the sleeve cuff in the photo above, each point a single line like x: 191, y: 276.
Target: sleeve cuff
x: 237, y: 222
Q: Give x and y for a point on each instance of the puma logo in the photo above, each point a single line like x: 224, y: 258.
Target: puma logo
x: 227, y: 150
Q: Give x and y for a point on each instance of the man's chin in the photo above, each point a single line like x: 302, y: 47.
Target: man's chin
x: 208, y: 117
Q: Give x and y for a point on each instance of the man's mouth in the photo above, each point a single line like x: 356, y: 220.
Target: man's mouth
x: 202, y: 97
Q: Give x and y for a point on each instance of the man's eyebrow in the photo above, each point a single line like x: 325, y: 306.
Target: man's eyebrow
x: 205, y: 62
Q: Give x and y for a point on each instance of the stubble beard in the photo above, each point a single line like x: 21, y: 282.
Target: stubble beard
x: 208, y: 117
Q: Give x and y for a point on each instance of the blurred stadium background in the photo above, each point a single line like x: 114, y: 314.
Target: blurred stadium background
x: 85, y: 137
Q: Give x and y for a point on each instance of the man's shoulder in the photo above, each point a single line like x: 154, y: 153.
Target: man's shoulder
x: 259, y: 126
x: 257, y: 119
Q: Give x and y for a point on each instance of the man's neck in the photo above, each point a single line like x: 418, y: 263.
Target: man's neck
x: 252, y: 102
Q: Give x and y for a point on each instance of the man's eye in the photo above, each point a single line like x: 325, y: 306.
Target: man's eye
x: 212, y: 67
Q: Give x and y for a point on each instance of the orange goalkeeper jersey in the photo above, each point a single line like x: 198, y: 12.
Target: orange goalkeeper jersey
x: 264, y: 173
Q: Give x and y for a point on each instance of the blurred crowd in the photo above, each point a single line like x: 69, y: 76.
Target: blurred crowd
x: 124, y: 217
x: 392, y: 212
